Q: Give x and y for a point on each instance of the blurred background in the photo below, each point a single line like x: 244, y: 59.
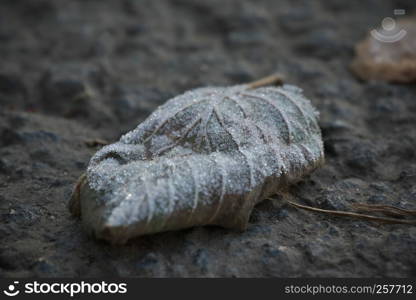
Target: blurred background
x: 73, y: 72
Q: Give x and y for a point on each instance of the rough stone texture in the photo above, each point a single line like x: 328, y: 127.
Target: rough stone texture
x: 78, y: 70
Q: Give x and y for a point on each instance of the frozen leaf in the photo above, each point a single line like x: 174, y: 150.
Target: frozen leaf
x: 204, y: 157
x: 388, y: 56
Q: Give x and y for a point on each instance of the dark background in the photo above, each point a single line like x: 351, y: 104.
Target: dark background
x: 73, y: 71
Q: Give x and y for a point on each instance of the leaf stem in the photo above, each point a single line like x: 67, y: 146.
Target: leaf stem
x: 75, y: 202
x: 385, y: 209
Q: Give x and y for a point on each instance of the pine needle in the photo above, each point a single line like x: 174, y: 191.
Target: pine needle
x: 354, y: 215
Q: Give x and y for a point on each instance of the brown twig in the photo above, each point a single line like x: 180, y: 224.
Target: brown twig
x: 74, y: 203
x: 95, y: 142
x: 385, y: 209
x: 274, y: 79
x: 354, y: 215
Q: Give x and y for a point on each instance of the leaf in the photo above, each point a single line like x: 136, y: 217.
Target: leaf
x: 205, y: 157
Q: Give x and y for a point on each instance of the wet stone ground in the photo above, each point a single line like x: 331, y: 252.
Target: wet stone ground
x: 73, y: 71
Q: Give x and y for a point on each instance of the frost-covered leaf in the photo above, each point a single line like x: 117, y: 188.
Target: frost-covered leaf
x: 388, y: 56
x: 204, y: 157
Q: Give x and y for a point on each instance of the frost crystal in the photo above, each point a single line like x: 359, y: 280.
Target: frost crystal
x: 204, y: 157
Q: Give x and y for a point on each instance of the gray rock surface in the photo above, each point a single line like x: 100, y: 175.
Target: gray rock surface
x: 73, y: 71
